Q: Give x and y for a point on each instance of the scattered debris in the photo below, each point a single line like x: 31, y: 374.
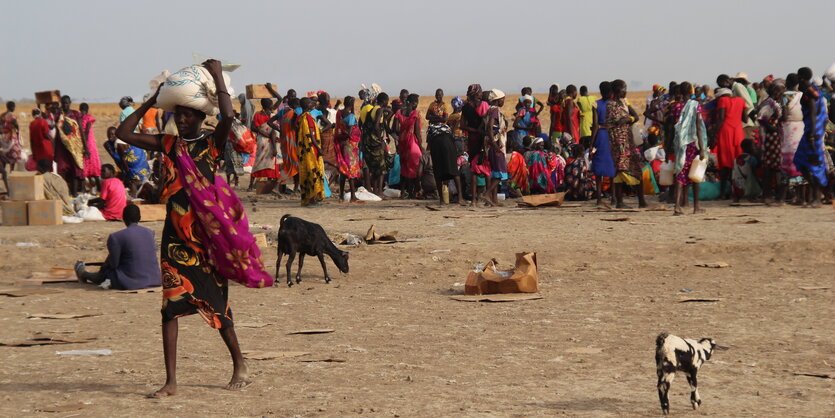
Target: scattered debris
x: 448, y: 224
x: 272, y: 355
x: 17, y: 293
x: 489, y: 279
x: 104, y: 352
x: 439, y: 251
x: 323, y: 360
x: 718, y: 265
x: 507, y: 297
x: 251, y: 324
x: 801, y: 288
x: 621, y: 219
x: 63, y: 408
x: 28, y: 244
x: 584, y: 350
x: 751, y: 221
x: 471, y: 216
x: 821, y: 375
x: 684, y: 299
x: 372, y: 237
x: 434, y: 209
x: 311, y: 331
x: 534, y: 201
x: 145, y: 290
x: 351, y: 239
x: 47, y: 340
x: 378, y: 218
x: 62, y: 316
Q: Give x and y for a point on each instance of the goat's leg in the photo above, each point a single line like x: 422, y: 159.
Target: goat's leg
x: 278, y: 266
x: 290, y: 256
x: 665, y: 379
x: 695, y: 400
x: 299, y: 272
x: 324, y: 267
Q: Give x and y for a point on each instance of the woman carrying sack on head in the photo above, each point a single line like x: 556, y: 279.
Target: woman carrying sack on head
x: 205, y: 239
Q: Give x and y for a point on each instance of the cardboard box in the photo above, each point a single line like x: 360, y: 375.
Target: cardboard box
x: 151, y: 213
x: 259, y: 91
x: 524, y: 278
x: 47, y: 97
x: 45, y: 212
x: 25, y: 185
x: 14, y: 213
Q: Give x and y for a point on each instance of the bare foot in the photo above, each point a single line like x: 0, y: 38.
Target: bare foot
x: 699, y: 210
x: 170, y: 389
x: 240, y: 378
x: 678, y: 212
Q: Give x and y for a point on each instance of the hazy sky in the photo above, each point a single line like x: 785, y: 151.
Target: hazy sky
x: 100, y: 50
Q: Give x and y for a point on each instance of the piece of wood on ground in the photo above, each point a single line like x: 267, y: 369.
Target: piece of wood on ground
x: 47, y: 340
x: 471, y: 216
x: 822, y: 375
x: 717, y: 265
x: 17, y: 293
x: 251, y: 324
x: 433, y: 209
x: 145, y: 290
x: 507, y: 297
x: 584, y: 350
x: 620, y: 219
x: 537, y: 200
x: 272, y: 355
x: 62, y: 315
x: 813, y: 287
x: 685, y: 299
x: 312, y: 331
x: 323, y: 360
x: 63, y: 408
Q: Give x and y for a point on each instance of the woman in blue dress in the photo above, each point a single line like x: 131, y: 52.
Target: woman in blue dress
x: 602, y: 164
x: 809, y: 158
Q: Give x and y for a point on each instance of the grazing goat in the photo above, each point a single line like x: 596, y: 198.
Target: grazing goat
x: 680, y: 354
x: 296, y: 235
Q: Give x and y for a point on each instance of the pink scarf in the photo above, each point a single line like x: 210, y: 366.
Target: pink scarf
x: 222, y: 224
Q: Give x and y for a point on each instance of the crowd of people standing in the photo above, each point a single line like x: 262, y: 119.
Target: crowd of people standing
x: 764, y: 141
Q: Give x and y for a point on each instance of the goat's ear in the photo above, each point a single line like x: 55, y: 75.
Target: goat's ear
x: 345, y: 254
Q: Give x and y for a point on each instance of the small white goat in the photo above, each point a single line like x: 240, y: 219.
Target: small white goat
x: 673, y: 354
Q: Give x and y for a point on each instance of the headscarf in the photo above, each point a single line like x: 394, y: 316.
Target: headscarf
x: 527, y: 97
x: 769, y: 78
x: 496, y: 94
x: 658, y: 88
x: 457, y: 103
x: 830, y: 73
x: 474, y: 89
x: 722, y: 91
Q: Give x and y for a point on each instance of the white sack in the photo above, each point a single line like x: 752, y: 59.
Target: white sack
x: 191, y: 87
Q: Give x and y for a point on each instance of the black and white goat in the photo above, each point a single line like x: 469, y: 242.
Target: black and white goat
x: 296, y: 235
x: 673, y: 354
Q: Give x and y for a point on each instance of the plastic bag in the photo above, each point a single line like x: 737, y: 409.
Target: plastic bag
x: 242, y: 138
x: 192, y: 87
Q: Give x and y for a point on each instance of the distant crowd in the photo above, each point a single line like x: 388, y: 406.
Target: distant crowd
x: 768, y: 141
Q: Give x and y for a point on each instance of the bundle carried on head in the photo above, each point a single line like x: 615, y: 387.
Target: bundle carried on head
x: 191, y: 87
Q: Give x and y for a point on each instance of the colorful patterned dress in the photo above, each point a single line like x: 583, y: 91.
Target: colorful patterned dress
x: 627, y: 163
x: 771, y: 113
x: 408, y: 144
x: 311, y: 165
x: 190, y: 283
x: 92, y: 162
x: 10, y: 150
x: 347, y: 140
x: 287, y: 141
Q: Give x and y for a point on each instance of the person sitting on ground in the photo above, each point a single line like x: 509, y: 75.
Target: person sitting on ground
x: 55, y: 188
x: 113, y: 196
x: 131, y: 257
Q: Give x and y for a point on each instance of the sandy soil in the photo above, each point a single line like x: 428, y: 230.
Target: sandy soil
x: 585, y: 349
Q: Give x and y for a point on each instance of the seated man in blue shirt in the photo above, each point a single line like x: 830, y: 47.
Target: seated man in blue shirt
x: 131, y: 260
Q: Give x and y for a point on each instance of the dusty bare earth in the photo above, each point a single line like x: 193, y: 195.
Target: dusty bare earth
x: 585, y: 349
